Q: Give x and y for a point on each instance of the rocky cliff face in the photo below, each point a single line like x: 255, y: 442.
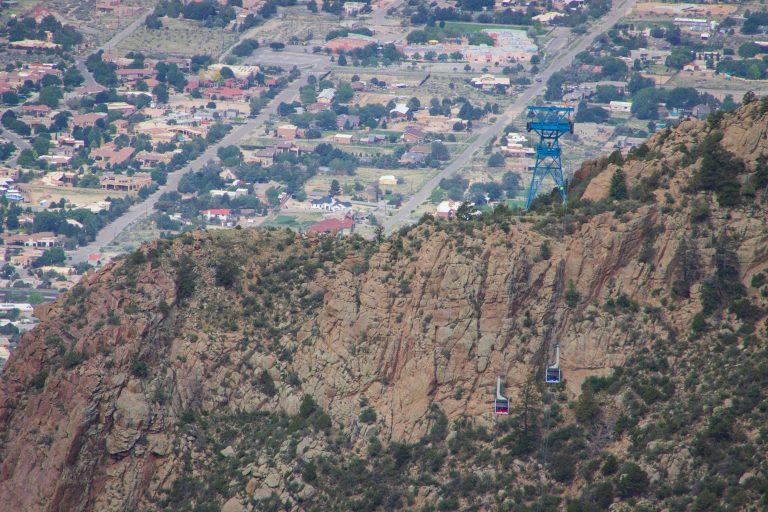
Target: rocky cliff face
x: 250, y: 370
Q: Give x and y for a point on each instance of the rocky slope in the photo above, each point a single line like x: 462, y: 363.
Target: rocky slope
x: 254, y: 370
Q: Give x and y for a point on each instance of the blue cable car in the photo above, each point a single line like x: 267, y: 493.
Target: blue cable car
x: 552, y: 375
x: 501, y: 404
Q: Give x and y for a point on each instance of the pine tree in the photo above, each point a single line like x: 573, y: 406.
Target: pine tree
x: 618, y: 190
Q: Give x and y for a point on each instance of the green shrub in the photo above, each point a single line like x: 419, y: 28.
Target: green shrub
x: 368, y: 415
x: 266, y: 384
x: 72, y: 358
x: 227, y: 273
x: 186, y: 278
x: 602, y: 495
x: 698, y: 324
x: 610, y: 465
x: 758, y: 280
x: 139, y: 368
x: 308, y: 406
x: 572, y: 296
x: 632, y: 481
x: 39, y: 378
x: 545, y: 251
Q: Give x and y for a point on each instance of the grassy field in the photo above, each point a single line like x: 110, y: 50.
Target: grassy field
x: 297, y: 221
x: 471, y: 28
x: 179, y: 37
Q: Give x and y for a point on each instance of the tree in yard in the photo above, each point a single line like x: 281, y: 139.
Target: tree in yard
x: 277, y: 46
x: 638, y: 82
x: 9, y: 98
x: 52, y: 256
x: 440, y: 151
x: 342, y: 61
x: 226, y: 73
x: 511, y: 184
x: 50, y: 96
x: 618, y: 190
x: 466, y: 211
x: 437, y: 195
x: 335, y: 188
x: 273, y: 196
x: 496, y: 160
x: 646, y: 103
x: 161, y: 93
x: 344, y: 91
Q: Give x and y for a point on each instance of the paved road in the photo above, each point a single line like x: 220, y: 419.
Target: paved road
x: 558, y: 63
x: 137, y: 211
x: 21, y: 144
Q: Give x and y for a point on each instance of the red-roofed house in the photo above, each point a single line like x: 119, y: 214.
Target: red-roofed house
x: 343, y: 226
x: 110, y: 155
x: 87, y: 120
x: 41, y: 13
x: 221, y: 214
x: 133, y: 74
x: 36, y: 110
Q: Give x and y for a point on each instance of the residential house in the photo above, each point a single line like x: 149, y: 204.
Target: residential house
x: 447, y: 209
x: 343, y: 138
x: 120, y: 106
x: 343, y: 226
x: 43, y: 239
x: 126, y: 183
x: 372, y: 139
x: 413, y: 134
x: 135, y: 74
x: 88, y: 120
x: 326, y: 95
x: 353, y: 8
x: 620, y: 106
x: 347, y: 122
x: 36, y: 110
x: 153, y: 159
x: 264, y: 157
x: 109, y: 154
x: 490, y: 83
x: 387, y: 180
x: 701, y: 111
x: 330, y: 204
x: 411, y: 158
x: 287, y: 131
x: 400, y: 111
x: 221, y: 214
x: 121, y: 126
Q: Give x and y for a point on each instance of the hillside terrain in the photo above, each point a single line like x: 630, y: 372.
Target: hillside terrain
x: 256, y: 370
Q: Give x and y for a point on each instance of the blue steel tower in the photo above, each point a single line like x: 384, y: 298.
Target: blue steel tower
x: 549, y: 123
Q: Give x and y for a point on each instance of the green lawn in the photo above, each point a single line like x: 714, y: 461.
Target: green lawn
x: 471, y: 28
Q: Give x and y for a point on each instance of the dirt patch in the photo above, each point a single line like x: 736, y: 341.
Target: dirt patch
x: 81, y: 197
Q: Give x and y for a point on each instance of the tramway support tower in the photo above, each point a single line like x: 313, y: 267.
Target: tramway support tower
x: 549, y: 123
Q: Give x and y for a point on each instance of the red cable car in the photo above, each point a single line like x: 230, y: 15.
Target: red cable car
x: 501, y: 404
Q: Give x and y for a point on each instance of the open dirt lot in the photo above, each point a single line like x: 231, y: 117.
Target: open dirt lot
x: 413, y: 179
x: 653, y: 9
x: 179, y: 37
x: 295, y: 22
x: 81, y: 197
